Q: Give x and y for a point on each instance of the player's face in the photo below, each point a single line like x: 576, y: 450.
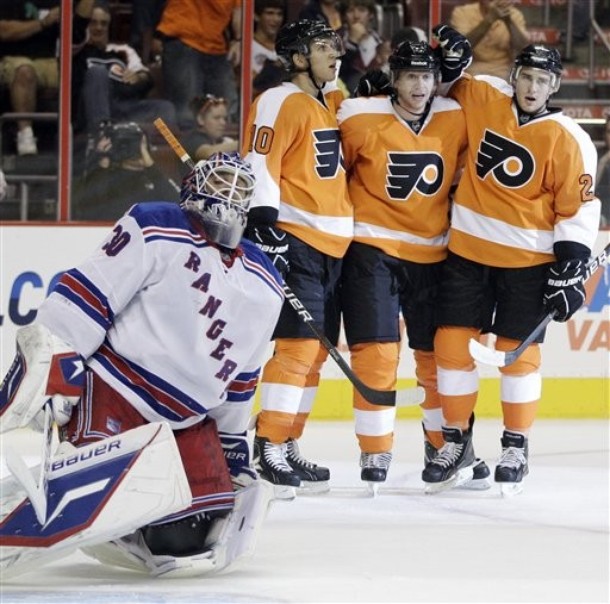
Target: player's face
x: 414, y: 89
x: 533, y: 88
x: 324, y: 54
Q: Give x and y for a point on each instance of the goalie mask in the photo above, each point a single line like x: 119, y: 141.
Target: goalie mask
x: 218, y: 192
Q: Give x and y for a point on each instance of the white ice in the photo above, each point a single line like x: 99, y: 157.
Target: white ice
x: 549, y: 544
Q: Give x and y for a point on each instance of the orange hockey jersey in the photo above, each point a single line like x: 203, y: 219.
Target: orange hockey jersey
x: 294, y: 148
x: 524, y: 187
x: 399, y: 180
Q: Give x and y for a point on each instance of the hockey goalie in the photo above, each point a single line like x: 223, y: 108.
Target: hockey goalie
x: 146, y: 358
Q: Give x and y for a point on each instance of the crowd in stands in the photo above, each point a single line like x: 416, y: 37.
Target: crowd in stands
x: 180, y: 60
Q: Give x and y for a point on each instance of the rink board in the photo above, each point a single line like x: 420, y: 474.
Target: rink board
x: 575, y: 355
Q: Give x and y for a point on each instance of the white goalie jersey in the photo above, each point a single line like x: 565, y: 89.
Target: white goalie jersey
x: 163, y: 318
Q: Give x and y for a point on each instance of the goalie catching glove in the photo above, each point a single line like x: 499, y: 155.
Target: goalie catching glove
x: 455, y: 52
x: 45, y: 368
x: 564, y: 293
x: 273, y: 242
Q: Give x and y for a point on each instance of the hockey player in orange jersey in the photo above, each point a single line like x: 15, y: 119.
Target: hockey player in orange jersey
x: 524, y: 220
x: 401, y: 166
x: 303, y: 219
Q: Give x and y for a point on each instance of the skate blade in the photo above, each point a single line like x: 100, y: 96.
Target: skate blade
x: 284, y: 492
x: 481, y: 484
x: 510, y: 489
x: 313, y: 488
x: 372, y: 488
x: 457, y: 480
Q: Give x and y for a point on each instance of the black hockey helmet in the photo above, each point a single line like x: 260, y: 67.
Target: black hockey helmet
x: 414, y: 56
x: 539, y: 57
x: 296, y: 37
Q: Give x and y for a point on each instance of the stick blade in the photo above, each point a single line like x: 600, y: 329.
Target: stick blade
x: 488, y: 356
x: 409, y: 397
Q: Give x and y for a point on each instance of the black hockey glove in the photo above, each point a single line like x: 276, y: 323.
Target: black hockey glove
x: 565, y: 288
x: 374, y: 82
x: 455, y: 52
x: 273, y: 242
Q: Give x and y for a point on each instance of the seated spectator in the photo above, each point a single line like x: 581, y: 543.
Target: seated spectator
x: 110, y: 82
x: 364, y: 48
x: 123, y: 173
x: 322, y: 10
x: 28, y: 64
x: 211, y: 114
x: 496, y: 30
x: 267, y: 70
x: 603, y: 176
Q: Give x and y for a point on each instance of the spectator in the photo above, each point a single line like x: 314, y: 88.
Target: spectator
x: 110, y: 82
x: 267, y: 70
x: 145, y: 17
x: 603, y: 176
x: 209, y: 137
x: 322, y: 10
x: 124, y: 174
x: 363, y: 45
x: 496, y: 31
x: 29, y: 32
x: 196, y: 58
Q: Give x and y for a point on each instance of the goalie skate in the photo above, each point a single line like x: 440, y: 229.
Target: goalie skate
x: 230, y: 541
x: 94, y: 494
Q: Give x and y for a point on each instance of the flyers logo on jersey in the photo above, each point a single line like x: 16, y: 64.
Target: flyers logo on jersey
x: 328, y: 152
x: 408, y: 171
x: 511, y: 165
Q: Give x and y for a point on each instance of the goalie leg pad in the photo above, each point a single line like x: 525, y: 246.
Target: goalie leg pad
x: 44, y: 366
x: 104, y: 412
x: 95, y: 494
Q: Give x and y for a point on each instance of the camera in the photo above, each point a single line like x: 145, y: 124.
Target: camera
x: 126, y: 140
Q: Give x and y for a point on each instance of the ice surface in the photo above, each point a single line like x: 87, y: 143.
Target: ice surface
x: 549, y: 544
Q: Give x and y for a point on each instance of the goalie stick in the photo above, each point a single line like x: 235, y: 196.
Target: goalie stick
x: 407, y: 397
x: 498, y: 358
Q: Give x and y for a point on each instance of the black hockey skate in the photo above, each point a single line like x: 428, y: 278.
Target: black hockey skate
x: 512, y: 466
x: 314, y: 478
x: 480, y: 472
x: 375, y: 468
x: 453, y: 464
x: 270, y: 462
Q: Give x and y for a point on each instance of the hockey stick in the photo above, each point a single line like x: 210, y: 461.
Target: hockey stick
x: 497, y: 358
x: 389, y: 398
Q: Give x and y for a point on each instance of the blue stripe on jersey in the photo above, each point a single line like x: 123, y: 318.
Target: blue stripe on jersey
x: 163, y: 398
x: 74, y: 286
x: 243, y: 387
